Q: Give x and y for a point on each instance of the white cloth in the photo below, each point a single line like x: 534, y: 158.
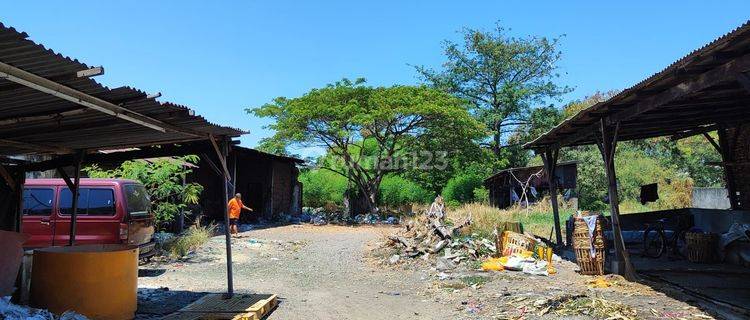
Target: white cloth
x: 736, y: 232
x: 591, y: 224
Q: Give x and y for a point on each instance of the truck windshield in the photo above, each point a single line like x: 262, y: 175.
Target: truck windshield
x: 137, y: 199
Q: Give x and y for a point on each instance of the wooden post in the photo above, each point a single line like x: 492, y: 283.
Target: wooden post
x: 727, y: 156
x: 549, y: 157
x: 74, y: 194
x: 227, y: 235
x: 607, y: 145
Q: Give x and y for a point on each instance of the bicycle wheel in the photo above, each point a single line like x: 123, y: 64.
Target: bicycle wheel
x: 654, y: 243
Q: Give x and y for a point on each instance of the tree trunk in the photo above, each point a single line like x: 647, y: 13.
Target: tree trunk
x: 496, y: 139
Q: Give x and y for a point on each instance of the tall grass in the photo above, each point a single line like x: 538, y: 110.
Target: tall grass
x: 189, y: 240
x: 536, y: 219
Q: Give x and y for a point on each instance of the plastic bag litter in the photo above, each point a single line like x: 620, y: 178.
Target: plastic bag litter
x: 12, y: 311
x: 538, y: 268
x: 493, y: 264
x: 517, y: 262
x: 70, y: 315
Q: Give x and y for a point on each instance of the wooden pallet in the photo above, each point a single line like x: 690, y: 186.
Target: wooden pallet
x: 215, y: 307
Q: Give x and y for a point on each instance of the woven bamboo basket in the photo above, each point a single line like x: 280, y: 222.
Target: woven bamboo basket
x: 512, y: 242
x: 582, y: 243
x: 701, y: 247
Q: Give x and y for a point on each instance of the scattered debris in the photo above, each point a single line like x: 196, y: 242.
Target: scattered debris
x: 570, y: 305
x: 11, y: 311
x: 444, y: 264
x: 394, y: 259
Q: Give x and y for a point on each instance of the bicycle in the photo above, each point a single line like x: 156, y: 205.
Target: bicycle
x: 656, y: 242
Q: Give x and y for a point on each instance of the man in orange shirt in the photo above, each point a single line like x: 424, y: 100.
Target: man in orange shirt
x: 234, y: 207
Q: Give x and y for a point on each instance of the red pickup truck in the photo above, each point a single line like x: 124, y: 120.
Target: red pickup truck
x: 109, y: 211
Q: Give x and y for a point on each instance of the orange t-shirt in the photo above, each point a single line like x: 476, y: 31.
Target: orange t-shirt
x: 234, y: 207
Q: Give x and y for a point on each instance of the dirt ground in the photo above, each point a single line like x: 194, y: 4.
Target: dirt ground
x: 338, y: 272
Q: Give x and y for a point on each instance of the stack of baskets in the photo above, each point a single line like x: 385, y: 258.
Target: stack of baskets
x: 701, y: 247
x: 582, y: 244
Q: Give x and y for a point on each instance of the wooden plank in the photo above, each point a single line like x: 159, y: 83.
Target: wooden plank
x: 219, y: 155
x: 35, y: 147
x: 216, y: 306
x: 8, y: 178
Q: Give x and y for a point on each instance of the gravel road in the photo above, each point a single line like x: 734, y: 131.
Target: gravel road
x: 319, y: 272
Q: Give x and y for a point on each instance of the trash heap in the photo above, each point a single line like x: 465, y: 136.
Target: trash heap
x: 430, y: 234
x: 322, y: 216
x: 11, y: 311
x: 522, y: 252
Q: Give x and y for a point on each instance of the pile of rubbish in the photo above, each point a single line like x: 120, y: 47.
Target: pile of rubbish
x: 430, y: 234
x: 526, y: 262
x: 11, y: 311
x: 321, y: 216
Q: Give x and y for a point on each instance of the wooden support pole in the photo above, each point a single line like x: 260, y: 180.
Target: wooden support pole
x: 549, y: 157
x: 608, y: 146
x: 712, y: 141
x: 74, y: 194
x: 8, y: 178
x: 727, y: 156
x: 227, y: 235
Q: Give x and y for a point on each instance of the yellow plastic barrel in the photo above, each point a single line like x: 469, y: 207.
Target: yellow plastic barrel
x: 98, y: 281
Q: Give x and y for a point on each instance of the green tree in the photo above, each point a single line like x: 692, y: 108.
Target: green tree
x: 396, y: 191
x: 462, y: 187
x: 321, y: 187
x: 365, y: 128
x: 163, y: 179
x: 502, y: 76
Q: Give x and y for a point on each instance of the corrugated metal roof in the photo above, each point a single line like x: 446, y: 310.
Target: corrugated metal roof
x: 723, y: 99
x: 73, y: 126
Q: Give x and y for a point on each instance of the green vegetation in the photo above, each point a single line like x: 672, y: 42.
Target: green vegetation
x: 397, y: 191
x: 322, y: 187
x: 405, y: 144
x: 190, y: 240
x: 460, y: 189
x: 163, y: 179
x: 368, y: 130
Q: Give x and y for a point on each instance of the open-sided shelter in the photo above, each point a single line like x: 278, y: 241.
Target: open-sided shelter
x: 50, y: 105
x: 707, y: 90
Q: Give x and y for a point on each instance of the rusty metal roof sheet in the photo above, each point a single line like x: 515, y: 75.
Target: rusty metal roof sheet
x: 33, y: 118
x: 724, y: 102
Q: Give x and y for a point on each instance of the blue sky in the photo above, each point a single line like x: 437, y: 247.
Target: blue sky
x: 220, y: 57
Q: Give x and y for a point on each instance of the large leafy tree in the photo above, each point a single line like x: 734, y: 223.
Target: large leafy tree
x: 367, y: 128
x: 502, y: 76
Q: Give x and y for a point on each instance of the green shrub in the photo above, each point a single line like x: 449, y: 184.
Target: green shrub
x: 321, y: 187
x: 190, y: 240
x: 396, y: 191
x: 461, y: 188
x: 482, y: 195
x: 163, y: 179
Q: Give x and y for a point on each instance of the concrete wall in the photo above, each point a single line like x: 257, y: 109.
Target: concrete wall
x: 710, y: 198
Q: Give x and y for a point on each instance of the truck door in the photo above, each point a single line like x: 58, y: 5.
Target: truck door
x: 37, y: 221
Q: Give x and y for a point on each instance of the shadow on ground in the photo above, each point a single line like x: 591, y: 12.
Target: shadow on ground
x: 156, y: 303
